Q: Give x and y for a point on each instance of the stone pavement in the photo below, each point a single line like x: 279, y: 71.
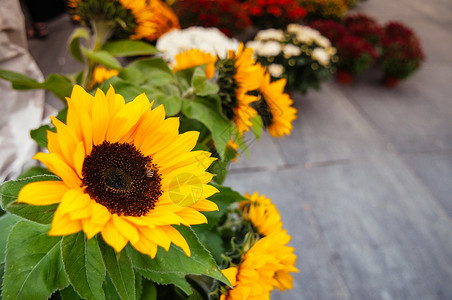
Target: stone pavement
x: 364, y: 182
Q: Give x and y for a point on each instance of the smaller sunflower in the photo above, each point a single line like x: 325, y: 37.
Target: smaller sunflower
x: 262, y: 268
x: 101, y: 74
x: 275, y: 106
x: 193, y: 58
x: 262, y: 213
x: 235, y: 94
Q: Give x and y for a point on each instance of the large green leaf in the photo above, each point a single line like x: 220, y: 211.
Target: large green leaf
x: 104, y: 58
x: 201, y: 85
x: 206, y: 111
x: 74, y: 42
x: 149, y: 290
x: 33, y: 268
x: 19, y: 78
x: 68, y: 293
x: 84, y: 266
x: 8, y: 196
x: 223, y: 199
x: 124, y: 48
x: 119, y: 267
x: 7, y: 222
x: 40, y: 134
x: 170, y: 267
x: 155, y: 71
x: 127, y: 89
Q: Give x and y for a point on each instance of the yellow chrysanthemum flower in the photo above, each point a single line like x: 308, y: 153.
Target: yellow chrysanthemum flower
x: 275, y: 107
x: 126, y: 173
x: 262, y: 213
x: 264, y: 266
x: 101, y: 74
x: 193, y: 58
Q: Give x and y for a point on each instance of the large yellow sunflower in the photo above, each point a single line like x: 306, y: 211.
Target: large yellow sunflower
x: 126, y: 173
x: 143, y: 15
x: 193, y: 58
x: 248, y: 76
x: 263, y: 267
x: 275, y: 107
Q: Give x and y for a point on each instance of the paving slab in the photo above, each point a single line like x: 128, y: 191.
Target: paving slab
x: 329, y: 128
x: 380, y: 233
x: 413, y: 117
x: 435, y: 171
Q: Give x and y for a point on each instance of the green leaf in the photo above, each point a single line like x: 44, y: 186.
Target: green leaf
x: 211, y: 240
x: 172, y: 104
x: 155, y: 71
x: 59, y: 85
x: 33, y: 171
x: 257, y: 126
x: 83, y: 265
x: 172, y: 266
x: 129, y: 48
x: 33, y: 268
x: 149, y: 290
x: 223, y: 199
x: 74, y: 42
x: 110, y: 290
x: 120, y: 270
x: 127, y: 89
x: 104, y: 58
x: 138, y: 285
x: 17, y: 77
x: 202, y: 86
x: 8, y: 196
x: 7, y: 222
x: 40, y: 134
x: 206, y: 111
x: 68, y: 293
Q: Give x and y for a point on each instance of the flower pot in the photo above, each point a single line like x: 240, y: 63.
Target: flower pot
x: 390, y: 82
x: 344, y: 77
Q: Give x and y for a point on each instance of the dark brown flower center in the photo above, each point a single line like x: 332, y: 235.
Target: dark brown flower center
x: 119, y: 177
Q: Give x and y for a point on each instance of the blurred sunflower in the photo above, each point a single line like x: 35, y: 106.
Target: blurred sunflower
x: 262, y: 268
x: 135, y: 19
x: 101, y: 74
x: 262, y: 213
x: 193, y: 58
x: 126, y: 173
x: 234, y: 93
x: 275, y: 106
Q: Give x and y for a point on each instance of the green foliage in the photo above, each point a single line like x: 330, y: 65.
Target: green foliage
x: 83, y: 265
x: 125, y: 48
x: 33, y: 265
x: 8, y: 197
x: 74, y: 43
x: 103, y: 58
x: 59, y: 85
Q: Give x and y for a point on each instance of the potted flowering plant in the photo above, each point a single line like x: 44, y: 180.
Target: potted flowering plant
x: 331, y: 29
x: 324, y: 9
x: 401, y: 55
x: 356, y: 56
x: 273, y: 14
x: 365, y: 27
x: 226, y: 15
x: 299, y: 53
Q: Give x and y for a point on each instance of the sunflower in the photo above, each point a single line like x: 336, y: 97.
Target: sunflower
x: 101, y: 74
x: 263, y: 214
x: 234, y: 94
x: 195, y: 57
x: 126, y: 173
x: 275, y: 106
x: 263, y: 267
x: 163, y: 18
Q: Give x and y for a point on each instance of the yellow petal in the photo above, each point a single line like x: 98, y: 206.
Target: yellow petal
x: 184, y: 143
x: 113, y: 237
x: 126, y: 229
x: 157, y: 236
x: 60, y: 168
x: 205, y: 205
x: 146, y: 246
x: 177, y: 238
x: 192, y: 217
x: 231, y: 275
x: 42, y: 192
x: 67, y: 139
x: 63, y: 225
x: 79, y: 158
x: 100, y: 118
x: 73, y: 200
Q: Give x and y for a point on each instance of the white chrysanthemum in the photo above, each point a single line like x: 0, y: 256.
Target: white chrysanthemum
x: 270, y: 48
x: 320, y: 55
x: 255, y: 45
x: 290, y: 50
x: 270, y: 34
x: 276, y: 70
x: 210, y: 40
x: 294, y: 28
x: 331, y: 51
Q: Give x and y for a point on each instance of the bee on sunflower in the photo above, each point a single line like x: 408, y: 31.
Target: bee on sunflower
x: 125, y: 172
